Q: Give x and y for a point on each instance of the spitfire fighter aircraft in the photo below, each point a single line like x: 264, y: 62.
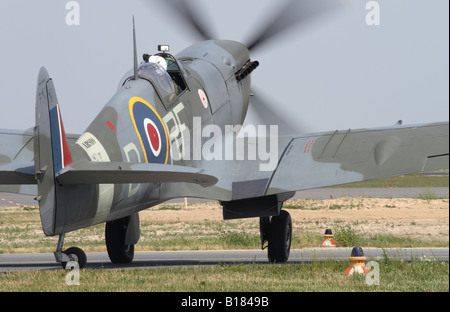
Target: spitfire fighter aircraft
x: 173, y: 130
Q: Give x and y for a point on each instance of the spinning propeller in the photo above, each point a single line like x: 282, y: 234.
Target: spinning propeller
x: 294, y: 12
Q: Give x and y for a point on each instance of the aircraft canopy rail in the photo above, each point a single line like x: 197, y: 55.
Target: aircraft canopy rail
x: 158, y: 76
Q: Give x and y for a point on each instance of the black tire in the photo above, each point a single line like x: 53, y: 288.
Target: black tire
x: 115, y: 232
x: 280, y: 238
x: 77, y: 254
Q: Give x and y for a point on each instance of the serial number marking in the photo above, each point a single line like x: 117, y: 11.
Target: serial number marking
x: 89, y: 142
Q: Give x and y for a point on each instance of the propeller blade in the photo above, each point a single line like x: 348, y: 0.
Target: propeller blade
x: 269, y: 115
x: 186, y: 10
x: 295, y: 12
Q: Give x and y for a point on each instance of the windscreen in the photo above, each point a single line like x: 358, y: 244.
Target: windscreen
x: 157, y: 75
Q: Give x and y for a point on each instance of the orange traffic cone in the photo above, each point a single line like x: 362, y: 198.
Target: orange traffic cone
x: 357, y: 264
x: 328, y: 241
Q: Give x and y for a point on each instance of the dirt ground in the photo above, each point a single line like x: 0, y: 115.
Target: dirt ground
x: 411, y: 218
x: 399, y: 216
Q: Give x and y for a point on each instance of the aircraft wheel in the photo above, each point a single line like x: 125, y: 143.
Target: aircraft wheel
x: 76, y: 254
x: 115, y: 232
x: 280, y: 238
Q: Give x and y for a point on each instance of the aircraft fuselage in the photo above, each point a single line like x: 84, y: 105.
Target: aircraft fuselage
x: 140, y: 124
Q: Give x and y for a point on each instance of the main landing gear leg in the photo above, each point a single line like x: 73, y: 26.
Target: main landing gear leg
x: 72, y: 254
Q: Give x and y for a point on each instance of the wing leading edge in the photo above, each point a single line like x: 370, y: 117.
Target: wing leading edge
x: 358, y: 155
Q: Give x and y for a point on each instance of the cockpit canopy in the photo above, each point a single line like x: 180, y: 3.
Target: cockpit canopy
x: 163, y: 72
x: 157, y: 75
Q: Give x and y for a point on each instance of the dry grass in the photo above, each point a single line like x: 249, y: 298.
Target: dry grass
x: 417, y: 276
x: 200, y: 226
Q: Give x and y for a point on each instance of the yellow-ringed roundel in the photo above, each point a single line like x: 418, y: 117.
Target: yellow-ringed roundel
x: 151, y: 131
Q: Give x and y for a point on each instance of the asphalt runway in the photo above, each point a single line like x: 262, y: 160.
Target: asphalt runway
x: 100, y: 260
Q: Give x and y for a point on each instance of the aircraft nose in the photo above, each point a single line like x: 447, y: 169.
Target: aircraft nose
x: 238, y: 51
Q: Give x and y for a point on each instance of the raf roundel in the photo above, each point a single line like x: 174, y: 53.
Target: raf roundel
x: 151, y: 131
x: 153, y: 136
x: 203, y: 98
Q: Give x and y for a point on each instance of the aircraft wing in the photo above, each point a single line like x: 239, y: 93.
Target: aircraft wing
x: 356, y: 155
x: 324, y: 159
x: 17, y: 161
x: 16, y: 146
x: 303, y: 162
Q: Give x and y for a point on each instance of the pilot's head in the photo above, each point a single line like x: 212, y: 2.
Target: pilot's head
x: 158, y: 60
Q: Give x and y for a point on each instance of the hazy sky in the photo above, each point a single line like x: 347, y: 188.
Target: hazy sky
x: 339, y: 74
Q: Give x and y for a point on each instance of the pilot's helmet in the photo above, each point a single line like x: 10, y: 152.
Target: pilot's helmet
x: 158, y: 60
